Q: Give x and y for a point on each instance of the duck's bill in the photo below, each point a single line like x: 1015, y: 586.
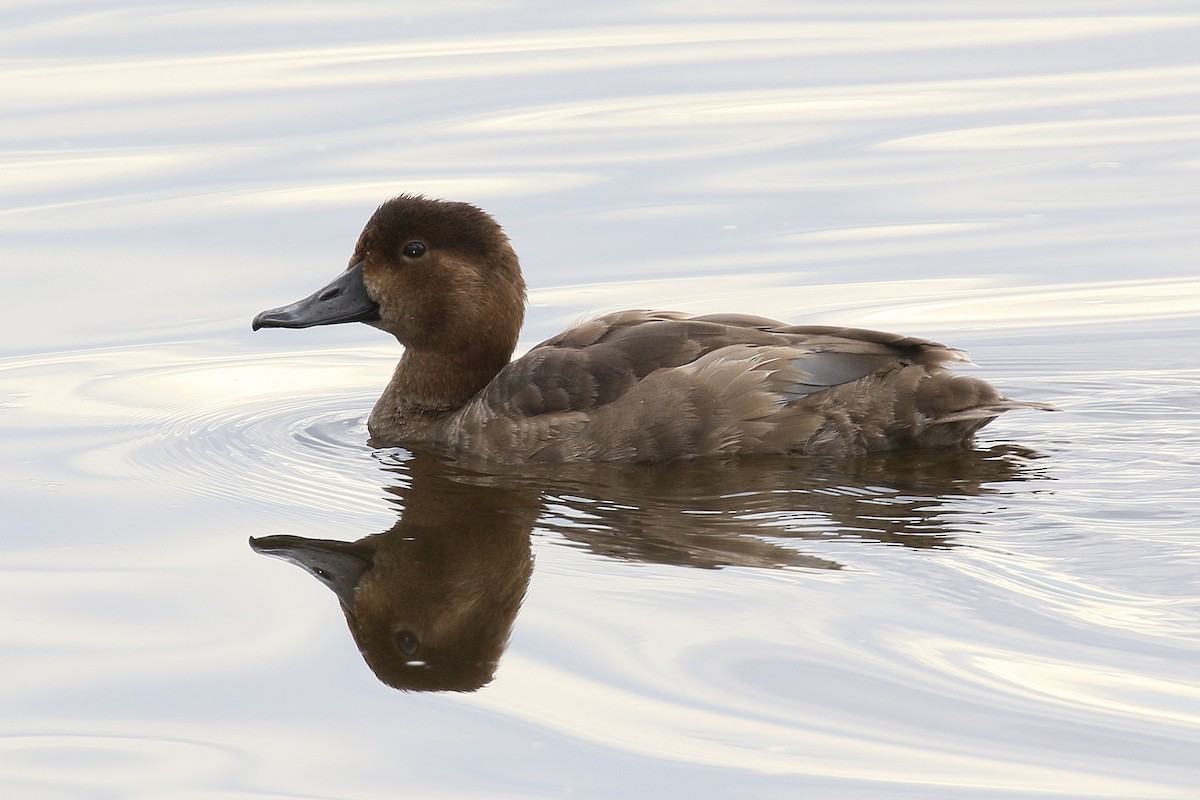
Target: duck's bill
x: 338, y: 565
x: 343, y: 300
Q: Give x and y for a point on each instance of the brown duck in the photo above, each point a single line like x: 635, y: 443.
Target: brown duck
x: 645, y: 386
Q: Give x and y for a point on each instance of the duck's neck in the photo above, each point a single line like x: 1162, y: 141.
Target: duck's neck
x: 427, y: 387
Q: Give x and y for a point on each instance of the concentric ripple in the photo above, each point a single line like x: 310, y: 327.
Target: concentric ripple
x: 283, y: 429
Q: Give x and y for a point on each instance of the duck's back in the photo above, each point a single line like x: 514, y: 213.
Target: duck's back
x: 657, y: 386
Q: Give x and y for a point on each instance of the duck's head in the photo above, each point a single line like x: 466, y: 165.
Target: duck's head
x: 440, y: 276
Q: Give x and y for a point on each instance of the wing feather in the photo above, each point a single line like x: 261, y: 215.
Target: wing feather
x: 652, y: 385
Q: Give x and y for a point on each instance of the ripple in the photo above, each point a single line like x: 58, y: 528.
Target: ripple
x: 283, y: 429
x: 927, y: 304
x: 721, y: 685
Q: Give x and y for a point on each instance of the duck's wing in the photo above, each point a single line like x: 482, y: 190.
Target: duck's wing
x: 599, y: 361
x: 668, y: 384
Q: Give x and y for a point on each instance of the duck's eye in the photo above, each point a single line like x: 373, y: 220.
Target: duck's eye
x: 407, y: 641
x: 413, y: 250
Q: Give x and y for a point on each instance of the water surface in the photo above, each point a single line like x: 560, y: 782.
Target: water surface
x: 1015, y: 621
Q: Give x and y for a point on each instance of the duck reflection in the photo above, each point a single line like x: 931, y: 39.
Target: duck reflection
x: 749, y: 513
x: 431, y: 602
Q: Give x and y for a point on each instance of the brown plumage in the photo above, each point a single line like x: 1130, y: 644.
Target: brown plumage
x: 645, y: 386
x: 430, y: 603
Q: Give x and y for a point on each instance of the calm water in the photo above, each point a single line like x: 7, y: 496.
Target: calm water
x: 1019, y: 621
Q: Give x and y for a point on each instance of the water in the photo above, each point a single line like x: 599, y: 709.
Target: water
x: 1019, y: 621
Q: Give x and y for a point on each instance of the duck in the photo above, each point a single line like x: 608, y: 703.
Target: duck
x: 640, y: 385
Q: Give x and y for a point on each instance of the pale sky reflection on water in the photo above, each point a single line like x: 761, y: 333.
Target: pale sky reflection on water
x: 1018, y: 621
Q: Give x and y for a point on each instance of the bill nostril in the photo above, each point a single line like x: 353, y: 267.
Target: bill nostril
x: 329, y: 293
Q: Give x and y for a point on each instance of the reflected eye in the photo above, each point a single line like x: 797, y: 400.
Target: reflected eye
x: 407, y: 642
x: 413, y: 250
